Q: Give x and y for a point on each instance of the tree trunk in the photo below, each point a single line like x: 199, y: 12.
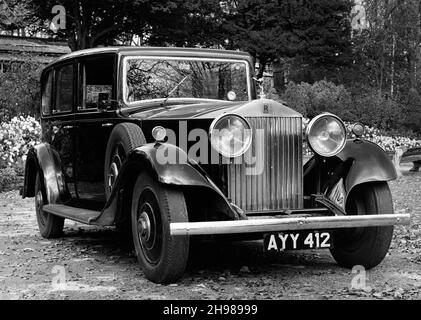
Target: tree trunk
x: 80, y: 38
x: 412, y: 69
x: 418, y: 43
x: 392, y: 68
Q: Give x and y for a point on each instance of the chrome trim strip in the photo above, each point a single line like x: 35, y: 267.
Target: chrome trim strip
x: 286, y: 224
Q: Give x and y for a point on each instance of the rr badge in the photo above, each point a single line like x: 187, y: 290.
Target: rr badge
x: 265, y: 108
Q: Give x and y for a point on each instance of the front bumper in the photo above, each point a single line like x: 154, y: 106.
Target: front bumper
x: 287, y: 223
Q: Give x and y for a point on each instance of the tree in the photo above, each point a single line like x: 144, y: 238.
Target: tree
x: 163, y: 22
x: 314, y: 33
x: 389, y: 47
x: 189, y: 23
x: 89, y: 23
x: 15, y: 14
x: 387, y: 58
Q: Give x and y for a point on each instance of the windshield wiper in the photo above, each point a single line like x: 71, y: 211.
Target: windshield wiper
x: 173, y: 90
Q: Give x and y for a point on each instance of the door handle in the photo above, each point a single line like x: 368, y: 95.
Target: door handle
x: 69, y: 127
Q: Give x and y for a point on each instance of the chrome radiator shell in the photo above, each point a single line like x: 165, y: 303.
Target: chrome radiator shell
x: 270, y: 175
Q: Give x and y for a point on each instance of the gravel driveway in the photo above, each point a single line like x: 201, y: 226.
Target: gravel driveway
x: 97, y: 264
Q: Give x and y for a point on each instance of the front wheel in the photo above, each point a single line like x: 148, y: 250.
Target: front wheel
x: 369, y: 245
x: 162, y: 257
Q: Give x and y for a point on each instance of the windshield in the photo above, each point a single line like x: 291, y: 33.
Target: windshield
x: 159, y: 78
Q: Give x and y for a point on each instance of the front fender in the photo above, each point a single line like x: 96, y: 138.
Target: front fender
x: 43, y: 159
x: 169, y: 165
x: 359, y: 162
x: 370, y: 163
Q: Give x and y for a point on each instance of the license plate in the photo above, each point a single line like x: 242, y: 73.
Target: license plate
x: 280, y: 241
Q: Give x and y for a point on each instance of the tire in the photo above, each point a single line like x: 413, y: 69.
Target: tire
x: 123, y: 138
x: 50, y: 226
x: 365, y: 246
x: 162, y: 257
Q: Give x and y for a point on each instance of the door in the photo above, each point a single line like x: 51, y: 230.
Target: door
x: 95, y: 80
x: 58, y: 118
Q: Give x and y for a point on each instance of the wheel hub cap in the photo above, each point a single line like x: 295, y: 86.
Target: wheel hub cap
x: 112, y: 176
x: 149, y: 229
x: 144, y: 226
x: 38, y: 200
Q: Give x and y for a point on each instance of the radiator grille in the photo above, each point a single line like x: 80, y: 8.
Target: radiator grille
x: 272, y: 179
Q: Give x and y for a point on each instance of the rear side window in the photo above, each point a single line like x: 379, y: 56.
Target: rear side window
x: 47, y: 86
x: 96, y: 81
x: 64, y: 88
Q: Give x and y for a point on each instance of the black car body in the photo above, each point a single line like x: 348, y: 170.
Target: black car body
x: 106, y: 115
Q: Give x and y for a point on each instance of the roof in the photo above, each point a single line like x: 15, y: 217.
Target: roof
x: 158, y: 51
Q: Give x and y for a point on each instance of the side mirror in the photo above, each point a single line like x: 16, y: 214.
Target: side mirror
x: 104, y: 101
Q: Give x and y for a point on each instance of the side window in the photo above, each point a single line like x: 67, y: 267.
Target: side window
x: 64, y: 88
x: 47, y: 86
x: 96, y: 81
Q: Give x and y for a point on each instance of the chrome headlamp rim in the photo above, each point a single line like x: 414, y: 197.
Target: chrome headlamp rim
x: 212, y: 129
x: 317, y: 118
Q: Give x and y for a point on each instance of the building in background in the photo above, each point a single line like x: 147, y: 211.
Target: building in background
x: 15, y: 50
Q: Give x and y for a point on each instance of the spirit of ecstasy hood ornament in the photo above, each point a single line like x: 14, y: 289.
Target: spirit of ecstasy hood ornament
x: 262, y: 94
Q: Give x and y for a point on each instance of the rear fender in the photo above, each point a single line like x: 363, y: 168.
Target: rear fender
x: 43, y: 159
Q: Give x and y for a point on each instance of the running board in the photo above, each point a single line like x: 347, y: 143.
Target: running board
x: 72, y: 213
x: 288, y: 223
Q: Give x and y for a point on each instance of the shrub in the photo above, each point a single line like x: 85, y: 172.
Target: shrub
x: 297, y: 97
x: 321, y: 96
x: 371, y: 108
x: 20, y: 90
x: 377, y: 111
x: 328, y: 97
x: 7, y: 177
x: 16, y: 137
x: 386, y: 141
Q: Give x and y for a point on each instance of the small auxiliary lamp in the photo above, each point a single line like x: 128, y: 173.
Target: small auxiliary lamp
x: 159, y: 133
x: 358, y: 129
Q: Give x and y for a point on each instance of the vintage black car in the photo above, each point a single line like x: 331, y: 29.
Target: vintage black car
x: 169, y: 143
